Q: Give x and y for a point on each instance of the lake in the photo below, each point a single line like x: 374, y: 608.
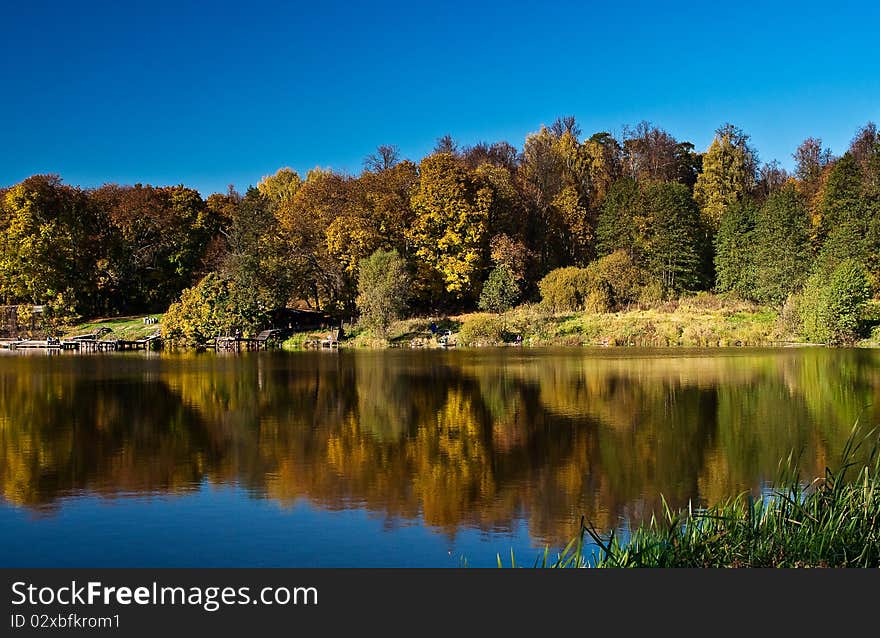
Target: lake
x: 397, y: 457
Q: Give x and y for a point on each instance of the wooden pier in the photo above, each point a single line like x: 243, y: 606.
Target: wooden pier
x: 81, y: 343
x: 330, y: 342
x: 266, y: 340
x: 236, y: 344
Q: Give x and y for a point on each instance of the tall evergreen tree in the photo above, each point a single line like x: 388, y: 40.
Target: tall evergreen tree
x: 846, y: 224
x: 618, y: 225
x: 658, y: 225
x: 674, y: 242
x: 735, y: 251
x: 782, y: 245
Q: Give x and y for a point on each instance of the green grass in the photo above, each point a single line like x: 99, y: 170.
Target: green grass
x: 703, y: 321
x: 297, y: 340
x: 834, y: 521
x: 125, y: 328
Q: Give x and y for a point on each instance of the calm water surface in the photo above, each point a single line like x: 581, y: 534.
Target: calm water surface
x: 395, y: 458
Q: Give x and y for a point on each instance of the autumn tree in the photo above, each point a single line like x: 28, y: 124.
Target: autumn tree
x: 386, y: 156
x: 255, y: 261
x: 559, y: 184
x: 650, y: 153
x: 162, y: 235
x: 281, y: 186
x: 303, y: 221
x: 204, y: 312
x: 507, y: 281
x: 449, y: 232
x: 222, y: 207
x: 771, y: 177
x: 352, y: 233
x: 507, y: 214
x: 728, y: 174
x: 512, y: 254
x: 500, y: 154
x: 446, y: 144
x: 865, y: 148
x: 384, y: 199
x: 810, y: 158
x: 53, y: 246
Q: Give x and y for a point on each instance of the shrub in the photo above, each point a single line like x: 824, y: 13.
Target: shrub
x: 848, y: 293
x: 703, y: 301
x: 623, y: 276
x: 205, y: 311
x: 61, y: 310
x: 790, y: 320
x: 383, y: 287
x: 500, y: 292
x: 559, y: 289
x: 481, y: 330
x: 598, y: 296
x: 831, y: 311
x: 569, y: 289
x: 651, y: 294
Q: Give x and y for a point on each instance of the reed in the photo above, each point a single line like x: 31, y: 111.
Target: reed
x: 832, y: 521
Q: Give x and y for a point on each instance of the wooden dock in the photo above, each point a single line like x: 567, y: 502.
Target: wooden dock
x: 82, y: 343
x: 330, y: 342
x: 266, y: 340
x: 236, y: 344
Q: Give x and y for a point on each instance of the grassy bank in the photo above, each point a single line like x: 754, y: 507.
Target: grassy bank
x: 834, y: 521
x: 701, y: 321
x: 125, y: 328
x: 704, y: 320
x: 687, y: 323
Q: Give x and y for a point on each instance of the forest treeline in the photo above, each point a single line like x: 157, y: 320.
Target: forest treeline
x: 583, y: 222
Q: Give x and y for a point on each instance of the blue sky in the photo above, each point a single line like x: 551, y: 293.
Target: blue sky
x: 166, y: 92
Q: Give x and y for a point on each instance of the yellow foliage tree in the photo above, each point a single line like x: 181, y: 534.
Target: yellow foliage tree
x: 450, y: 228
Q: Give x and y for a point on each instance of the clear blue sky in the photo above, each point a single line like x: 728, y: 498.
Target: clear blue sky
x: 165, y: 93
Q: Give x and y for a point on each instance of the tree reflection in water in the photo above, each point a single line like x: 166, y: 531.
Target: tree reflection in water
x: 469, y: 438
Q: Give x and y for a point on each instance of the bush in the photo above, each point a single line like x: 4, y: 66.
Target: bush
x: 652, y: 294
x: 831, y: 311
x: 569, y: 289
x: 560, y: 289
x: 383, y: 288
x: 598, y: 296
x: 848, y: 293
x: 500, y: 292
x: 790, y: 320
x: 481, y: 330
x: 622, y: 274
x: 61, y: 310
x: 208, y: 309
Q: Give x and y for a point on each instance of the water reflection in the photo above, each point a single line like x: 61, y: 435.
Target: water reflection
x: 479, y: 439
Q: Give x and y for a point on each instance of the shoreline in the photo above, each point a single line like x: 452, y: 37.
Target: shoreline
x: 684, y: 324
x: 706, y: 321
